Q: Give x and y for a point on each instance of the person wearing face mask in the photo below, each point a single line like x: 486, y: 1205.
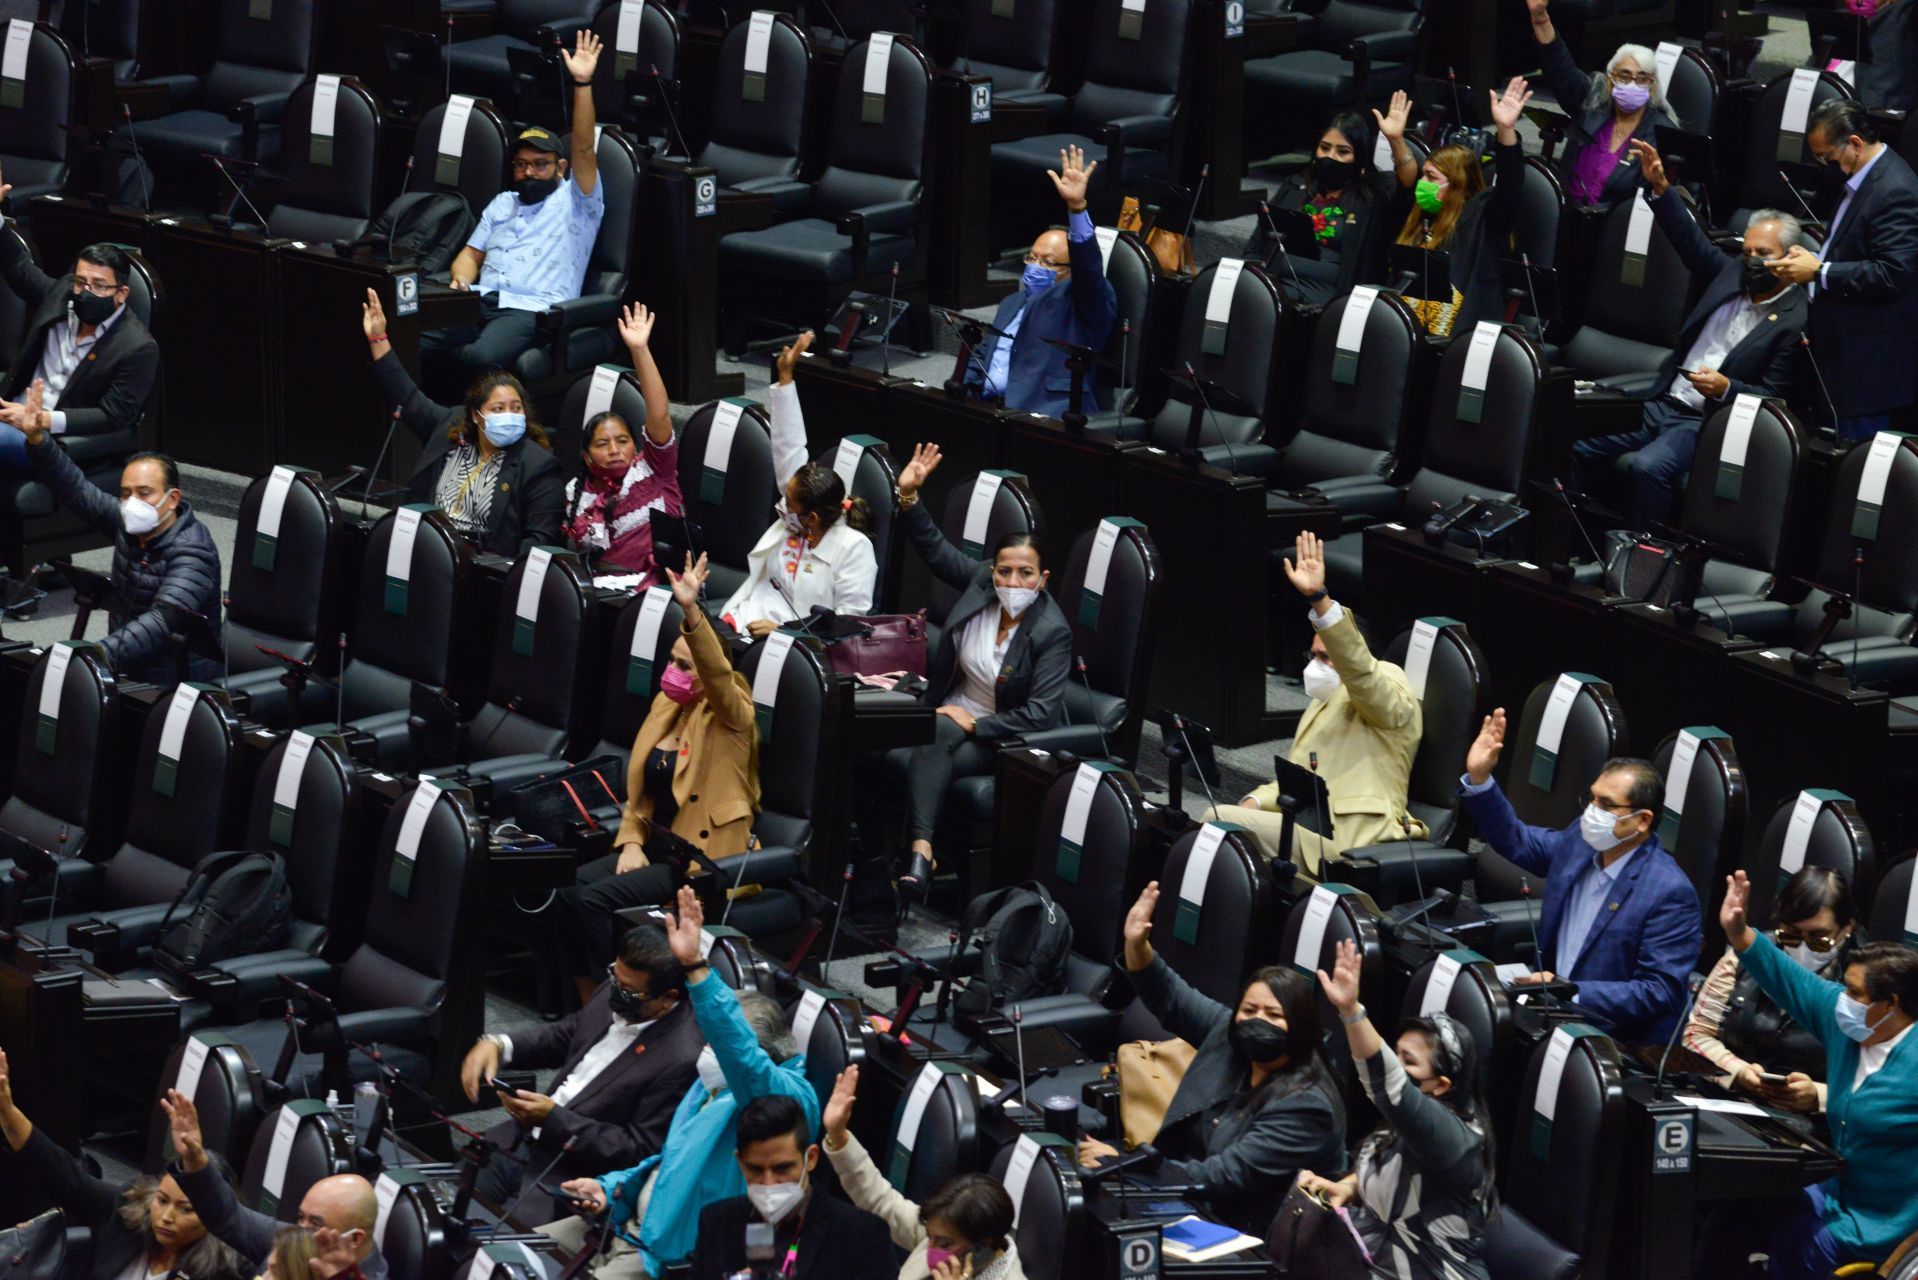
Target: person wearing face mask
x: 967, y: 1221
x: 1257, y: 1104
x: 656, y: 1205
x: 1863, y: 280
x: 1453, y: 212
x: 694, y: 770
x: 1620, y: 918
x: 612, y: 501
x: 998, y: 670
x: 1871, y: 1072
x: 1743, y: 1032
x: 1360, y: 733
x: 1063, y: 295
x: 486, y: 464
x: 147, y: 1230
x: 624, y: 1059
x: 816, y: 552
x: 1424, y: 1183
x: 1740, y: 338
x: 530, y: 249
x: 1608, y: 112
x: 166, y: 566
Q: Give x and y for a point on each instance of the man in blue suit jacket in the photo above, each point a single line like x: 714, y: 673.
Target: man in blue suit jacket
x: 1620, y: 918
x: 1062, y: 295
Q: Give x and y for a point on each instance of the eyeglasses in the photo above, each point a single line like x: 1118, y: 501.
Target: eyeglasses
x: 1818, y: 942
x: 1609, y: 807
x: 95, y: 288
x: 1622, y: 78
x: 535, y: 166
x: 1034, y: 260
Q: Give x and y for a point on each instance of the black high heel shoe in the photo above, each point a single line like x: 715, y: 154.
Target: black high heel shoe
x: 916, y: 884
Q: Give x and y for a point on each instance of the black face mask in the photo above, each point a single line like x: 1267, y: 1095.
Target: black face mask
x: 91, y: 308
x: 1755, y: 275
x: 534, y: 190
x: 1259, y: 1040
x: 1331, y: 174
x: 625, y: 1005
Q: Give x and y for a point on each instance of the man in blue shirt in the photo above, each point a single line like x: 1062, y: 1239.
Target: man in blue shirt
x: 1620, y: 917
x: 1063, y: 295
x: 531, y: 246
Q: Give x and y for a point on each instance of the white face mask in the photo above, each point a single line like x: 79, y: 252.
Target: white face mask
x: 1595, y: 824
x: 776, y: 1201
x: 1805, y: 958
x: 139, y: 517
x: 1016, y: 600
x: 709, y: 1073
x: 1320, y: 680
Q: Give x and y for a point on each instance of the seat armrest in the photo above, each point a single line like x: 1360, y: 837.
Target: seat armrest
x: 132, y: 929
x: 1637, y: 385
x: 559, y: 33
x: 267, y: 108
x: 1082, y: 740
x: 582, y: 312
x: 1383, y: 46
x: 392, y: 1026
x: 1242, y: 459
x: 1091, y: 1024
x: 1151, y: 132
x: 893, y: 215
x: 789, y: 195
x: 772, y: 865
x: 258, y: 976
x: 1371, y: 498
x: 87, y: 449
x: 158, y: 95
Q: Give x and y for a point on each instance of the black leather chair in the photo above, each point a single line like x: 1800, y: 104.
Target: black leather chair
x: 1008, y: 507
x: 1560, y: 1185
x: 757, y: 125
x: 236, y: 109
x: 1541, y: 208
x: 224, y: 1083
x: 297, y: 1144
x: 731, y: 509
x: 413, y: 1234
x: 477, y: 171
x: 1048, y: 1202
x: 1114, y: 628
x: 1818, y: 827
x: 865, y: 212
x: 13, y: 308
x: 865, y: 467
x: 1691, y: 90
x: 483, y: 67
x: 1122, y: 114
x: 64, y: 769
x: 640, y: 63
x: 400, y: 637
x: 330, y: 178
x: 1240, y: 364
x: 285, y: 591
x: 1308, y: 942
x: 1352, y: 53
x: 1894, y: 910
x: 1634, y: 305
x: 1705, y: 834
x: 635, y: 659
x: 1012, y: 41
x: 1464, y: 985
x: 608, y: 388
x: 1759, y: 184
x: 826, y: 1028
x: 34, y: 140
x: 1133, y: 273
x: 107, y: 29
x: 1483, y: 458
x: 937, y: 1122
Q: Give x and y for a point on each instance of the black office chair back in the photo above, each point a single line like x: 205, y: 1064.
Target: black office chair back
x: 1213, y: 915
x: 1049, y: 1211
x: 1761, y: 186
x: 634, y: 661
x: 267, y: 54
x: 179, y: 809
x: 1691, y: 93
x: 793, y: 760
x: 642, y: 37
x: 1705, y: 834
x: 1133, y: 273
x: 1308, y: 942
x: 731, y: 507
x: 1083, y: 852
x: 223, y: 1081
x: 282, y: 589
x: 330, y: 179
x: 477, y: 171
x: 414, y: 1240
x: 1463, y: 985
x: 1243, y: 368
x: 1541, y: 209
x: 403, y: 636
x: 1887, y: 583
x: 1011, y: 41
x: 311, y: 833
x: 144, y: 296
x: 1343, y: 21
x: 1114, y: 625
x: 608, y: 388
x: 1483, y: 458
x: 607, y: 269
x: 1894, y: 909
x: 34, y: 139
x: 1563, y: 1173
x: 1636, y: 302
x: 13, y: 307
x: 1133, y: 63
x: 1742, y: 509
x: 105, y: 29
x: 879, y: 161
x: 865, y: 467
x: 945, y: 1139
x: 62, y: 770
x: 1818, y: 827
x: 524, y: 18
x: 1010, y: 508
x: 412, y: 919
x: 825, y: 1027
x: 1356, y: 410
x: 530, y: 693
x: 1449, y: 680
x: 758, y: 137
x: 315, y: 1145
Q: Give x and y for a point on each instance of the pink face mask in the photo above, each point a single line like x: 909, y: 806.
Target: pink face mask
x: 681, y: 686
x: 1862, y: 8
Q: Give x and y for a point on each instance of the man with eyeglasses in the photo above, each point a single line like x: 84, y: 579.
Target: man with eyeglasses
x: 1063, y: 296
x: 1864, y: 280
x: 1619, y: 918
x: 96, y: 361
x: 624, y: 1062
x: 531, y: 247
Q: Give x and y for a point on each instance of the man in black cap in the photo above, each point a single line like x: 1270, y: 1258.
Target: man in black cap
x: 530, y: 249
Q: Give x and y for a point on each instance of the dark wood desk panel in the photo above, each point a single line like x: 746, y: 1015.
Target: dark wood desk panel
x: 970, y: 435
x: 1079, y: 478
x: 677, y: 273
x: 1535, y: 628
x: 1406, y: 579
x: 960, y: 191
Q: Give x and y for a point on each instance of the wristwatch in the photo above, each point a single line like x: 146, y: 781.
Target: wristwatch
x: 1316, y: 596
x: 1357, y: 1016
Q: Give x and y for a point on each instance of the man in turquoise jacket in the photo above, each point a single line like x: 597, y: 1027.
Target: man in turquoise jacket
x: 696, y: 1166
x: 1871, y: 1072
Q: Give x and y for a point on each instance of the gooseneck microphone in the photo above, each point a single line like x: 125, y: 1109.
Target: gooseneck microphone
x: 1811, y: 358
x: 1697, y: 985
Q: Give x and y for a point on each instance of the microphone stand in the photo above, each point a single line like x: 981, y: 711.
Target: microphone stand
x: 1278, y: 241
x: 664, y: 89
x: 239, y: 194
x: 379, y: 460
x: 1191, y: 215
x: 1563, y: 572
x: 139, y: 161
x: 1658, y: 1082
x: 885, y: 331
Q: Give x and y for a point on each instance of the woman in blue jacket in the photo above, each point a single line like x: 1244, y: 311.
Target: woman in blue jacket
x: 1871, y: 1066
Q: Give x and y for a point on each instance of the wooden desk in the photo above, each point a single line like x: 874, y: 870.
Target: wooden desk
x: 678, y: 272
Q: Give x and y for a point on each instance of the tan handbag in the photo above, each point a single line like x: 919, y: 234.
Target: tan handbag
x: 1149, y: 1074
x: 1173, y: 250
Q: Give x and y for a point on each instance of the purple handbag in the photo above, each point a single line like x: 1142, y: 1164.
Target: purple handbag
x: 878, y: 644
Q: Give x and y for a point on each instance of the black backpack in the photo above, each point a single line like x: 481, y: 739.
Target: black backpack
x: 427, y: 227
x: 1024, y: 938
x: 234, y: 904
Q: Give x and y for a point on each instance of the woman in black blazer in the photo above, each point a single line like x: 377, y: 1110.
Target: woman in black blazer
x: 999, y: 670
x: 150, y: 1220
x: 485, y: 464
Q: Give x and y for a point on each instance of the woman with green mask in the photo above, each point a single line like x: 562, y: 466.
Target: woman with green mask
x: 1455, y: 213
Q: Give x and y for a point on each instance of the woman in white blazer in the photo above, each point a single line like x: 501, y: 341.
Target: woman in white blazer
x: 816, y: 552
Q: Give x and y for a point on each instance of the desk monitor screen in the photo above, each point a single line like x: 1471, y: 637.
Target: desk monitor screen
x: 1046, y: 1049
x: 1308, y: 788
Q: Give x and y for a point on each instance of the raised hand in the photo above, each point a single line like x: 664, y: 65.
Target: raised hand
x: 789, y: 356
x: 636, y: 327
x: 925, y: 461
x: 1073, y: 177
x: 1482, y: 756
x: 1138, y: 928
x: 684, y: 930
x: 372, y: 317
x: 335, y: 1252
x: 1307, y: 573
x: 686, y: 585
x: 838, y: 1112
x: 584, y: 58
x: 1341, y: 986
x: 184, y: 1119
x: 1731, y: 912
x: 1508, y: 106
x: 1397, y: 114
x: 1651, y: 166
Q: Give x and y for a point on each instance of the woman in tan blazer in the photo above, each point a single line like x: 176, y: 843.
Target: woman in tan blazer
x: 695, y: 765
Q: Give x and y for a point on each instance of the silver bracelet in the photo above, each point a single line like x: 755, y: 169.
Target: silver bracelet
x: 1357, y: 1016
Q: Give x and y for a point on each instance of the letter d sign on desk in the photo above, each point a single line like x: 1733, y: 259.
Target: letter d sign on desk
x: 1138, y: 1251
x: 705, y: 196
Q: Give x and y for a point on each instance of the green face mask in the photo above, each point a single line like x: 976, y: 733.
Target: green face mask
x: 1429, y: 195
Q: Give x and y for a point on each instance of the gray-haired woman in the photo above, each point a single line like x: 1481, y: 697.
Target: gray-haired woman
x: 1607, y: 111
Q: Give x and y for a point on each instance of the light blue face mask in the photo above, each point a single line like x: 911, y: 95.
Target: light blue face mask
x: 503, y: 430
x: 1851, y: 1019
x: 1037, y: 279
